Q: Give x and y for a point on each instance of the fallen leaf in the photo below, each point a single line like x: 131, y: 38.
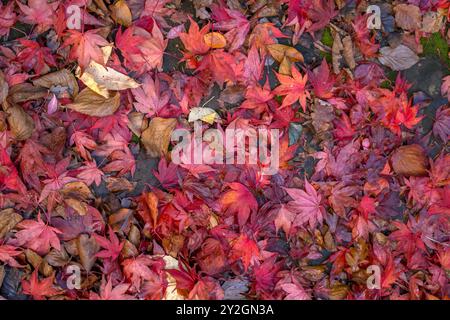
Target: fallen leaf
x: 156, y: 137
x: 90, y: 103
x: 215, y: 40
x: 409, y: 160
x: 207, y: 115
x: 408, y: 17
x: 101, y: 79
x: 399, y: 58
x: 121, y: 13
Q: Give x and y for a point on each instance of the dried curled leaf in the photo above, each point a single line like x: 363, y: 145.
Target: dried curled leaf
x: 101, y: 79
x: 90, y: 103
x: 156, y: 137
x: 20, y: 123
x: 25, y: 92
x: 121, y: 13
x: 4, y: 88
x: 8, y: 220
x: 348, y: 52
x: 62, y: 78
x: 409, y: 161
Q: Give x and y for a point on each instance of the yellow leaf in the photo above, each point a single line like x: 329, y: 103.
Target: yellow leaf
x: 207, y: 115
x: 90, y: 103
x: 279, y: 51
x: 156, y: 137
x: 215, y: 40
x: 101, y: 79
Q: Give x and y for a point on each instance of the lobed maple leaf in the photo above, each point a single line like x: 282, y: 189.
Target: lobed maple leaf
x: 112, y: 246
x: 35, y: 57
x: 293, y: 88
x: 322, y: 81
x: 320, y: 12
x: 7, y: 254
x: 39, y: 12
x: 284, y: 219
x: 238, y: 200
x: 7, y: 18
x: 86, y: 46
x: 150, y: 99
x: 307, y: 205
x: 83, y: 141
x: 37, y: 236
x: 39, y: 290
x: 142, y: 268
x: 294, y: 291
x: 90, y: 173
x: 232, y: 21
x: 108, y: 292
x: 246, y: 250
x: 193, y: 40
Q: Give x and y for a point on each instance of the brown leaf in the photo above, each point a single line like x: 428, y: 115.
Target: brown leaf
x: 90, y: 103
x: 120, y: 220
x: 121, y: 13
x: 129, y: 250
x: 336, y: 52
x: 78, y: 190
x: 348, y: 52
x: 57, y: 258
x: 8, y: 220
x: 398, y: 58
x: 156, y: 137
x: 410, y: 161
x: 20, y: 123
x: 26, y: 91
x: 87, y: 248
x: 119, y: 184
x: 408, y: 17
x: 285, y: 66
x: 4, y: 88
x: 62, y: 78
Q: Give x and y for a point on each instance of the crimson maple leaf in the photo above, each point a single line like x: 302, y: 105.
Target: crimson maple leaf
x: 239, y: 200
x: 246, y: 250
x: 142, y: 268
x: 142, y: 50
x: 294, y: 291
x: 83, y: 141
x: 39, y: 12
x: 37, y: 236
x: 90, y: 173
x: 150, y: 99
x: 9, y: 176
x: 284, y: 218
x: 39, y: 290
x: 232, y: 21
x: 7, y: 18
x: 107, y: 292
x: 35, y: 57
x: 293, y: 88
x: 320, y: 12
x: 367, y: 45
x: 321, y: 81
x: 85, y: 46
x: 7, y: 254
x: 307, y: 205
x: 112, y: 247
x: 193, y: 40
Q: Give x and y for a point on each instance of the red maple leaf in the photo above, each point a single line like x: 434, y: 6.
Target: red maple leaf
x: 232, y: 21
x: 39, y: 290
x: 239, y: 200
x: 307, y: 205
x: 150, y: 98
x: 112, y: 247
x: 246, y: 250
x: 320, y: 12
x: 108, y: 292
x: 142, y: 268
x: 7, y: 254
x: 293, y: 88
x: 7, y: 18
x: 37, y: 236
x: 322, y: 81
x: 39, y: 12
x: 35, y: 57
x: 284, y: 218
x: 85, y: 46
